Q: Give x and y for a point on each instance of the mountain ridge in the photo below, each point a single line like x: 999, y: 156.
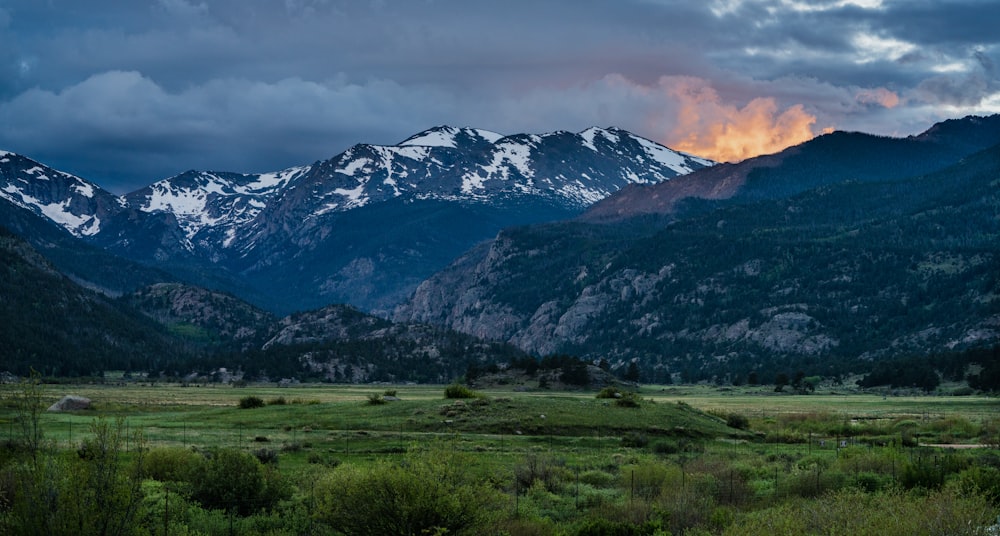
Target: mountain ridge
x: 758, y: 274
x: 239, y: 232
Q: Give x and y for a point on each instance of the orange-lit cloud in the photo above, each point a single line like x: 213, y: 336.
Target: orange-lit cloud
x: 880, y: 95
x: 707, y: 127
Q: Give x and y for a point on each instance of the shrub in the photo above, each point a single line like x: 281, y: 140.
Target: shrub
x: 543, y: 470
x: 430, y: 494
x: 984, y: 481
x: 457, y: 390
x: 266, y: 456
x: 605, y: 527
x: 597, y: 479
x: 279, y: 401
x: 251, y: 402
x: 738, y: 421
x: 648, y: 479
x: 169, y: 464
x: 609, y: 392
x: 666, y: 446
x: 375, y: 399
x: 235, y: 480
x: 627, y: 400
x: 389, y: 392
x: 634, y: 440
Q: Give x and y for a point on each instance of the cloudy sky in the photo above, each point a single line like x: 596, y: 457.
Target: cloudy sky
x: 125, y: 93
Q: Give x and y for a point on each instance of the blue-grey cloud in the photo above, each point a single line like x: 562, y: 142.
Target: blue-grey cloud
x: 129, y: 92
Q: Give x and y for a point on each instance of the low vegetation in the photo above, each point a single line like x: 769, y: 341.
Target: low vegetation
x: 685, y: 460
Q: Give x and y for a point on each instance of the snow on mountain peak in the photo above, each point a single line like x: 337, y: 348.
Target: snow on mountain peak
x: 591, y: 133
x: 446, y: 136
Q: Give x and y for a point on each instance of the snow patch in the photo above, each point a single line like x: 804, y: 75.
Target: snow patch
x: 274, y: 180
x: 38, y: 173
x: 444, y: 137
x: 353, y: 166
x: 83, y: 189
x: 588, y: 138
x: 591, y: 134
x: 57, y: 212
x: 355, y: 197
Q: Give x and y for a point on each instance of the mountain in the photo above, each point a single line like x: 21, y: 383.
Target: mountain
x: 828, y: 159
x: 364, y: 227
x: 53, y: 211
x: 54, y: 325
x: 820, y: 257
x: 203, y: 316
x: 334, y: 343
x: 51, y: 324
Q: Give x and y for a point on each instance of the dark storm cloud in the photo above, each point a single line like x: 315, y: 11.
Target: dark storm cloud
x: 128, y: 92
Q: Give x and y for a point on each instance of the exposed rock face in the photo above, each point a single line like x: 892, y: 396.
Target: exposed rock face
x: 855, y: 269
x: 71, y: 403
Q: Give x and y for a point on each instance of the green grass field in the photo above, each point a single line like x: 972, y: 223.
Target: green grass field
x: 330, y: 418
x: 562, y: 459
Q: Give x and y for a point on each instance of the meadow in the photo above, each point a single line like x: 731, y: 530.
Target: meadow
x: 672, y: 460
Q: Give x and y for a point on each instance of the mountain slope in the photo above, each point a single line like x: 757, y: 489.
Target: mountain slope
x: 856, y: 269
x: 363, y: 227
x: 59, y: 328
x: 828, y: 159
x: 334, y: 343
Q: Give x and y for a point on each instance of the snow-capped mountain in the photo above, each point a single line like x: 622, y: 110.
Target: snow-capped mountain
x: 77, y: 205
x: 351, y: 225
x: 211, y: 208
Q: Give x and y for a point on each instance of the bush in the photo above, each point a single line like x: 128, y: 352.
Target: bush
x: 428, y: 494
x: 251, y: 402
x: 635, y: 440
x: 609, y: 392
x: 279, y: 401
x: 628, y: 400
x: 738, y: 421
x: 170, y: 464
x: 266, y: 456
x: 375, y: 399
x: 605, y: 527
x: 235, y: 480
x: 457, y: 390
x: 543, y: 470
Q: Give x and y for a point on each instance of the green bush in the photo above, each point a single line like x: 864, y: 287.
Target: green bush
x: 375, y: 399
x: 278, y: 401
x: 666, y: 446
x: 251, y: 402
x: 170, y: 464
x: 234, y: 480
x: 609, y: 392
x: 738, y: 421
x: 605, y: 527
x: 635, y: 440
x: 983, y: 481
x: 428, y: 494
x: 628, y: 400
x: 457, y: 390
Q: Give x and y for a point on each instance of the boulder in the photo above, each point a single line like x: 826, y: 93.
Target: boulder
x: 71, y: 403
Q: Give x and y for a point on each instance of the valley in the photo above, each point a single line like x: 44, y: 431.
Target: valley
x: 681, y: 460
